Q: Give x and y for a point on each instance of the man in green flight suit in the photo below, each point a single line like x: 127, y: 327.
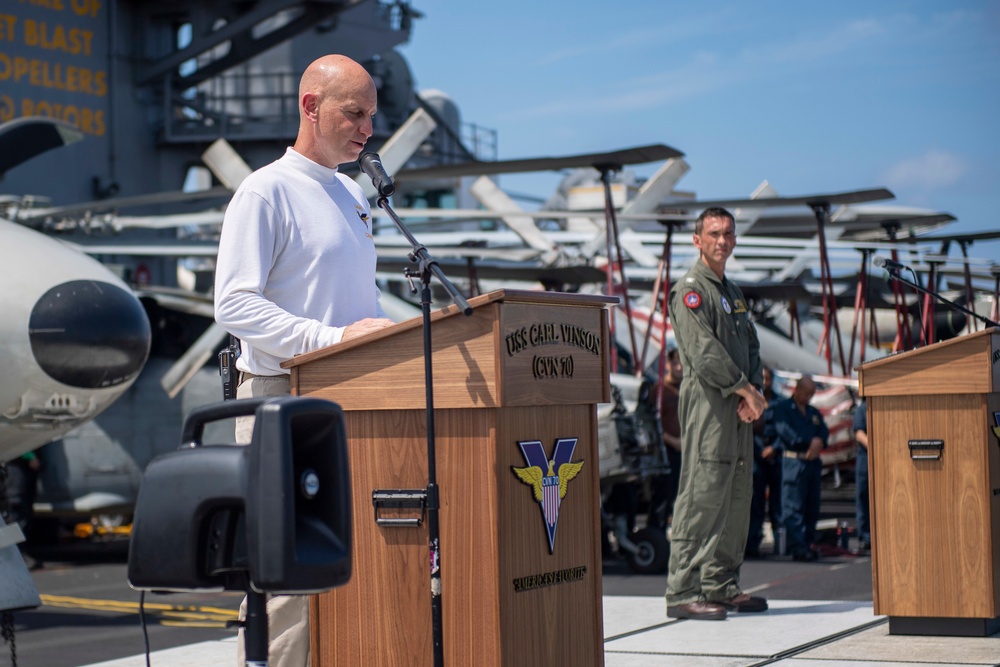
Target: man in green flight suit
x: 718, y: 404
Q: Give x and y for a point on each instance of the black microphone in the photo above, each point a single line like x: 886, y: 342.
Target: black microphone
x: 371, y: 164
x: 881, y: 262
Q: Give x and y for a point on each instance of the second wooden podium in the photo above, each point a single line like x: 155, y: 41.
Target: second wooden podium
x: 934, y: 428
x: 515, y: 393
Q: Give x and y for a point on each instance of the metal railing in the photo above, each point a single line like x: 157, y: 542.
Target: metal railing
x: 238, y: 104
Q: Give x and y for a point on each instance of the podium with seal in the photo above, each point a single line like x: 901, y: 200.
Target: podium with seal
x: 515, y: 391
x: 934, y: 429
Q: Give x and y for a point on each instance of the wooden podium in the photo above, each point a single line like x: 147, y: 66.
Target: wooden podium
x: 521, y: 374
x: 934, y: 429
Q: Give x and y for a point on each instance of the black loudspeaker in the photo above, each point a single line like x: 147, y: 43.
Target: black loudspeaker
x: 276, y: 511
x: 299, y: 511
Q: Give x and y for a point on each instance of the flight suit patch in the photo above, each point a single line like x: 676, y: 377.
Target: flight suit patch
x: 692, y: 300
x: 740, y: 306
x: 725, y: 306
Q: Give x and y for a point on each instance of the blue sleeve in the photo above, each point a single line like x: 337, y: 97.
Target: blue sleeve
x: 861, y: 417
x: 824, y: 430
x: 767, y: 435
x: 780, y: 429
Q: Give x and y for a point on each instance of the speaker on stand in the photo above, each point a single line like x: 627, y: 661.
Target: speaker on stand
x: 273, y: 516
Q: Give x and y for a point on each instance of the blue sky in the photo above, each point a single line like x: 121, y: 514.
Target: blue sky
x: 814, y: 97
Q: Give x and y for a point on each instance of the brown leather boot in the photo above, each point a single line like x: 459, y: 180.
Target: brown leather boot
x: 698, y: 611
x: 744, y: 602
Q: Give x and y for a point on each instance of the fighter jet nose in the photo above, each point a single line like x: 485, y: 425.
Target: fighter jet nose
x: 89, y: 334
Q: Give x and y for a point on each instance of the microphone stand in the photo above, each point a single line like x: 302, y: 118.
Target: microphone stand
x: 426, y: 268
x: 894, y: 275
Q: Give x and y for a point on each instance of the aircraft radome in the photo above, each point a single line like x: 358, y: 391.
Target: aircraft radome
x: 73, y: 338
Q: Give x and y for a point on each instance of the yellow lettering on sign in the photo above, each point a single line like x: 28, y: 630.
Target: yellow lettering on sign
x: 6, y: 108
x: 51, y: 71
x: 44, y: 74
x: 48, y: 4
x: 75, y: 41
x: 7, y: 23
x: 86, y: 7
x: 90, y: 121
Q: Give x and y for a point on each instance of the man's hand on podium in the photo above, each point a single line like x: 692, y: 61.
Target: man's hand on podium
x: 365, y: 326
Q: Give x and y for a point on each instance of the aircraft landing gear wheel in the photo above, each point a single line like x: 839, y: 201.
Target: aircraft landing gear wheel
x: 653, y: 556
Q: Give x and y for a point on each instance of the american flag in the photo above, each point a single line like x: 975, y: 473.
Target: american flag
x: 550, y: 499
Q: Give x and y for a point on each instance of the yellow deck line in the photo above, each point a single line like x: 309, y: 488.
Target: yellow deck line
x: 192, y: 612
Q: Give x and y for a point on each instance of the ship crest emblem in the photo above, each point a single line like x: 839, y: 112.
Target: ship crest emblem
x: 549, y: 478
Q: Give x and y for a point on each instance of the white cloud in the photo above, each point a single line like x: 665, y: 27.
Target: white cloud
x: 753, y: 56
x: 817, y: 45
x: 934, y: 170
x: 701, y: 75
x: 677, y: 31
x: 703, y: 70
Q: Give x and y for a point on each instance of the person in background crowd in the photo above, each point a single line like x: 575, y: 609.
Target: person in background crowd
x: 798, y: 429
x: 862, y: 510
x: 671, y: 425
x: 766, y: 477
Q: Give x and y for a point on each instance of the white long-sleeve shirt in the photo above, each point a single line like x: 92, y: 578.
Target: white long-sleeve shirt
x: 296, y: 262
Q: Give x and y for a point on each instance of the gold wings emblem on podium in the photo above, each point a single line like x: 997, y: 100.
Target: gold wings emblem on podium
x: 532, y: 476
x: 568, y: 471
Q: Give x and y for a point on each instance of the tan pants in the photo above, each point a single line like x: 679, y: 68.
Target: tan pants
x: 287, y: 615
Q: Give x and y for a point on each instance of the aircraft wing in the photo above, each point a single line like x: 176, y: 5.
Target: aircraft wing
x: 774, y: 291
x: 956, y: 238
x: 177, y: 248
x: 116, y: 203
x: 23, y: 138
x: 178, y: 299
x: 853, y: 197
x: 612, y: 159
x: 503, y: 270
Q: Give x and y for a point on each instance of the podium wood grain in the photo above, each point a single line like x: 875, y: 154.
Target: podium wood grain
x: 936, y: 523
x: 492, y: 530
